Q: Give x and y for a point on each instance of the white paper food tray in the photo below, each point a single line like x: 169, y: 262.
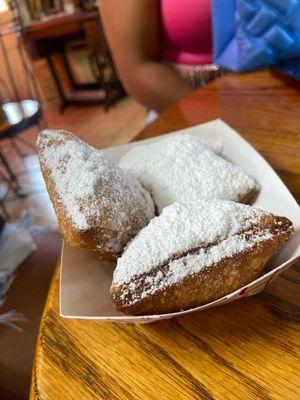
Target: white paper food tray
x: 85, y: 280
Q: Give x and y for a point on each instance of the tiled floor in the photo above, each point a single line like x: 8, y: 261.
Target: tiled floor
x: 29, y: 289
x: 36, y: 201
x: 97, y: 127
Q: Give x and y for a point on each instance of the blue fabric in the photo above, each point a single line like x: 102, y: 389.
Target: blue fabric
x: 250, y: 34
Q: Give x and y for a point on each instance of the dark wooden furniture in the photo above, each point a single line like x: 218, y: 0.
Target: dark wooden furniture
x: 84, y: 30
x: 247, y: 349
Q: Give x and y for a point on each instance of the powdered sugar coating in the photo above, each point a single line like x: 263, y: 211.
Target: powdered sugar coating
x: 181, y: 167
x: 214, y: 229
x: 92, y: 188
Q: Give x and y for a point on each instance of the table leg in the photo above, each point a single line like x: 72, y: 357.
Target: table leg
x: 13, y: 178
x: 57, y: 82
x: 67, y: 68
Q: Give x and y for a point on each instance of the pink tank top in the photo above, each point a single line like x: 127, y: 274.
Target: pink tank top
x: 186, y: 30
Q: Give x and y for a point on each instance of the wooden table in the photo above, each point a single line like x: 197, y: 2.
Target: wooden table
x: 248, y: 349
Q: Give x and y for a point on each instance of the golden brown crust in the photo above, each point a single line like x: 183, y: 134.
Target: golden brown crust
x: 105, y: 256
x: 249, y: 197
x: 215, y: 281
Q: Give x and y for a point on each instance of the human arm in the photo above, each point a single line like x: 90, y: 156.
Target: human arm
x: 133, y: 33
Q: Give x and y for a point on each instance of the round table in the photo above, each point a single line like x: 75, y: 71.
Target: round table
x: 247, y: 349
x: 15, y: 117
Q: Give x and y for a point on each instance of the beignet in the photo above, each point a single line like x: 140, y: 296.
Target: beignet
x: 182, y: 167
x: 194, y: 253
x: 99, y: 206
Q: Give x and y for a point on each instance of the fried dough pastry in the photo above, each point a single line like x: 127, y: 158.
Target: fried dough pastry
x: 182, y: 167
x: 195, y: 253
x: 98, y: 206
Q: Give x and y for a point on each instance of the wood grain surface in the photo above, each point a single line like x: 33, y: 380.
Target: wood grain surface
x: 248, y: 349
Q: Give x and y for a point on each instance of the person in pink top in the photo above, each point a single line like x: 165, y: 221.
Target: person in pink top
x: 162, y: 48
x: 186, y: 31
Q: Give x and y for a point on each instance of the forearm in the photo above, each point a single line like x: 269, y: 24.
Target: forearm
x: 155, y: 85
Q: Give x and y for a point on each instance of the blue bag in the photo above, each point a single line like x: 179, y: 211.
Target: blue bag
x: 250, y: 34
